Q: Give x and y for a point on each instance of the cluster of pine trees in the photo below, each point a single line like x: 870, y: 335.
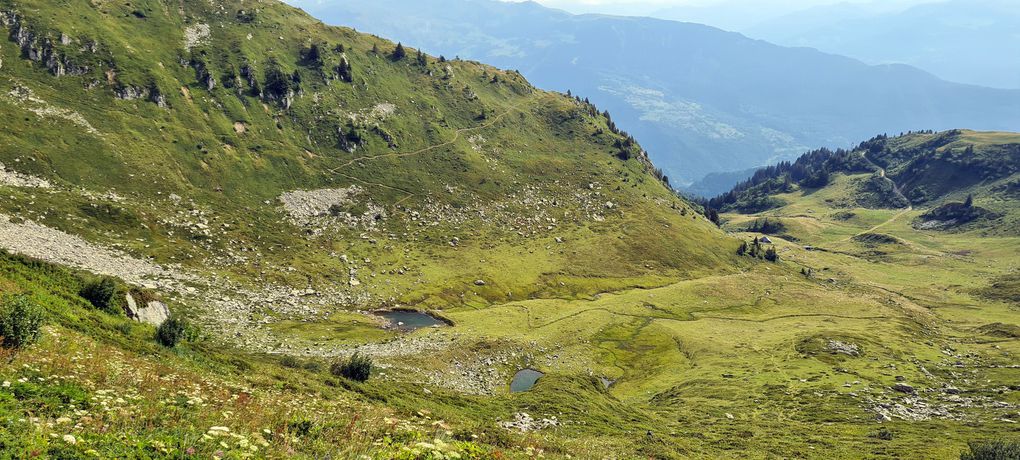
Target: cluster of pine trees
x: 812, y: 170
x: 766, y: 226
x: 758, y: 250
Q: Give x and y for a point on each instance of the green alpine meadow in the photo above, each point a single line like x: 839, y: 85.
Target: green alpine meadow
x: 230, y: 231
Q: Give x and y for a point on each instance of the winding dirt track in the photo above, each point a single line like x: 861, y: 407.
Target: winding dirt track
x: 456, y: 137
x: 883, y: 224
x: 896, y: 188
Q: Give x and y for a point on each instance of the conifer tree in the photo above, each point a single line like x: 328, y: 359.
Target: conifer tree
x: 399, y: 53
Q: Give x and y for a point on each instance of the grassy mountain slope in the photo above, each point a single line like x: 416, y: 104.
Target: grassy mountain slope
x: 275, y: 210
x: 273, y: 178
x: 929, y: 170
x: 688, y: 91
x: 431, y: 166
x: 864, y: 219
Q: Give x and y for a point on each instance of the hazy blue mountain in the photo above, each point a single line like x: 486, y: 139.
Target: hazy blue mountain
x: 715, y: 184
x: 702, y: 100
x: 969, y: 41
x: 741, y: 15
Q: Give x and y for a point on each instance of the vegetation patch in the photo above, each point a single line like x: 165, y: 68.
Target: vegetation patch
x: 876, y: 239
x: 992, y: 450
x: 357, y: 367
x: 843, y: 215
x: 172, y: 332
x: 879, y: 192
x: 831, y: 349
x: 1010, y: 189
x: 1005, y: 289
x: 952, y: 216
x: 1008, y: 331
x: 759, y: 248
x: 20, y: 321
x: 766, y: 226
x: 101, y: 292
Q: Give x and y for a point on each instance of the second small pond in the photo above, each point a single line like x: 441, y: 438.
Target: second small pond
x: 410, y: 320
x: 524, y: 379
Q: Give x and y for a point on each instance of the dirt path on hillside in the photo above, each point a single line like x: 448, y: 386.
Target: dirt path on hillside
x: 896, y: 189
x: 883, y: 224
x: 456, y: 136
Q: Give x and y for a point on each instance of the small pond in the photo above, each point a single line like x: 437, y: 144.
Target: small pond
x: 410, y: 320
x: 524, y: 379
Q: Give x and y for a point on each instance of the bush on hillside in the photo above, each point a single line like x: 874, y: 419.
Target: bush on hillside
x: 20, y: 321
x: 290, y: 361
x: 358, y: 367
x: 296, y: 363
x: 171, y: 332
x: 100, y: 293
x: 952, y: 215
x: 993, y: 450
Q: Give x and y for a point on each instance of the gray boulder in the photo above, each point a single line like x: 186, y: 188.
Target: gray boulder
x: 904, y: 388
x: 154, y: 312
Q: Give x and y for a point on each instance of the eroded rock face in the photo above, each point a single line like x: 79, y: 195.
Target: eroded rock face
x: 13, y: 178
x: 154, y: 312
x: 846, y: 348
x: 322, y: 209
x: 131, y: 308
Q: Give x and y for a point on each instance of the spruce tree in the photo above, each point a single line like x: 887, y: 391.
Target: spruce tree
x: 399, y: 53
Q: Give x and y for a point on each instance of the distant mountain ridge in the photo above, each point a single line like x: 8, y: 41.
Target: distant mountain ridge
x: 700, y: 99
x: 917, y: 169
x: 967, y: 41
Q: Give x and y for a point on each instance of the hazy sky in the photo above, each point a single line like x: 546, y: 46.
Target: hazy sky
x: 731, y: 14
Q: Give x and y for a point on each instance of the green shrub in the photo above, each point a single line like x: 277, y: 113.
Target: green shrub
x: 126, y: 326
x: 290, y: 361
x: 300, y: 427
x: 312, y: 366
x: 20, y: 320
x: 884, y: 434
x: 358, y: 367
x: 171, y: 332
x: 100, y: 293
x: 144, y: 296
x: 993, y: 450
